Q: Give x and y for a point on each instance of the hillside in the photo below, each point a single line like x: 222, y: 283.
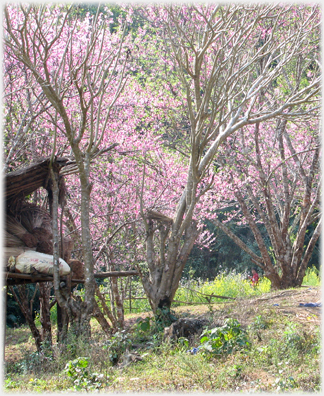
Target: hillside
x: 283, y: 354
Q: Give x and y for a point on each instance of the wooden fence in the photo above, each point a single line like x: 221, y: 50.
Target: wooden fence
x: 205, y: 299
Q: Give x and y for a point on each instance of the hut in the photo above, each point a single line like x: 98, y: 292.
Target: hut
x: 27, y: 225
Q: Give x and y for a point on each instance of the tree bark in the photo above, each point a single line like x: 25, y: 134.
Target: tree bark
x: 22, y: 299
x: 166, y: 264
x: 105, y: 308
x: 102, y: 320
x: 45, y: 315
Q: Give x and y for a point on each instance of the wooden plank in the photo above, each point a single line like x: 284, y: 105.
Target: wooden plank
x: 19, y: 275
x: 13, y: 278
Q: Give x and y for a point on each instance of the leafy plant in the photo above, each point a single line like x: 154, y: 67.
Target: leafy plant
x: 77, y: 369
x: 164, y: 317
x: 9, y: 383
x: 292, y: 337
x: 312, y: 277
x: 117, y: 345
x: 284, y: 384
x: 259, y: 323
x: 224, y: 340
x: 143, y: 330
x: 144, y: 325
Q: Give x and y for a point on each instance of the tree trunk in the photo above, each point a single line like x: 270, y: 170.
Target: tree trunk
x: 102, y: 320
x: 166, y: 266
x: 119, y: 303
x: 45, y: 315
x: 78, y: 313
x: 81, y: 324
x: 22, y: 299
x: 105, y: 308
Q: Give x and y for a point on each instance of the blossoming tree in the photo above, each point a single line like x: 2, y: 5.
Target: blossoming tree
x: 273, y: 177
x: 80, y: 73
x: 197, y: 76
x: 227, y: 59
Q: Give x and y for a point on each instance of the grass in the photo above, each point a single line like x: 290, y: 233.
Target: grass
x: 267, y: 366
x: 312, y: 277
x: 228, y: 285
x: 225, y: 284
x: 193, y: 291
x: 283, y: 353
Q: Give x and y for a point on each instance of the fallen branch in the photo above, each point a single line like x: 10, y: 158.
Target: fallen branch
x: 191, y: 303
x: 210, y: 295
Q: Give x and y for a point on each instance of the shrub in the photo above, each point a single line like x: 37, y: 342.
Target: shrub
x: 77, y: 369
x: 259, y: 323
x: 312, y: 277
x: 224, y: 340
x: 117, y: 345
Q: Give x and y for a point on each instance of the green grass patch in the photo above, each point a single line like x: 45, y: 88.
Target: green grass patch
x: 228, y: 285
x: 312, y: 277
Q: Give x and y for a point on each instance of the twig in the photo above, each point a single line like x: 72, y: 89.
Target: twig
x: 210, y: 295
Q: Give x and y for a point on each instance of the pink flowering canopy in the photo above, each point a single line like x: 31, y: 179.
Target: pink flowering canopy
x: 152, y: 104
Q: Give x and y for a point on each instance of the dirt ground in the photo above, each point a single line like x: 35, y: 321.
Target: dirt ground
x: 288, y: 303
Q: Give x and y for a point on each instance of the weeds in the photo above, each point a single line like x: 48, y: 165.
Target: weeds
x: 224, y: 340
x: 117, y: 345
x: 229, y: 285
x: 312, y: 277
x: 82, y: 378
x: 287, y: 356
x: 259, y: 323
x: 284, y: 358
x: 232, y: 284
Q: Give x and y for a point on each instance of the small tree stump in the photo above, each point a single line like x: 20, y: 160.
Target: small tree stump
x: 184, y: 327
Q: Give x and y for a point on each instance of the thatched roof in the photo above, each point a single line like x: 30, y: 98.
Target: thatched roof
x: 24, y: 181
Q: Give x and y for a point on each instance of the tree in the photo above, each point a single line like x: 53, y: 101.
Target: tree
x: 80, y: 73
x: 114, y: 180
x: 275, y: 181
x: 23, y: 116
x: 197, y: 76
x: 226, y: 58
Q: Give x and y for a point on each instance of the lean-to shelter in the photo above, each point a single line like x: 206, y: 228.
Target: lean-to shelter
x: 29, y: 226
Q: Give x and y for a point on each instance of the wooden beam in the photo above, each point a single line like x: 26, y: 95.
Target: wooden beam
x: 115, y: 274
x: 14, y: 278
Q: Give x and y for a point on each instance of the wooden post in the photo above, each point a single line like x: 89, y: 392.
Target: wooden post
x: 130, y: 296
x: 45, y: 315
x: 59, y: 322
x: 62, y: 322
x: 4, y: 310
